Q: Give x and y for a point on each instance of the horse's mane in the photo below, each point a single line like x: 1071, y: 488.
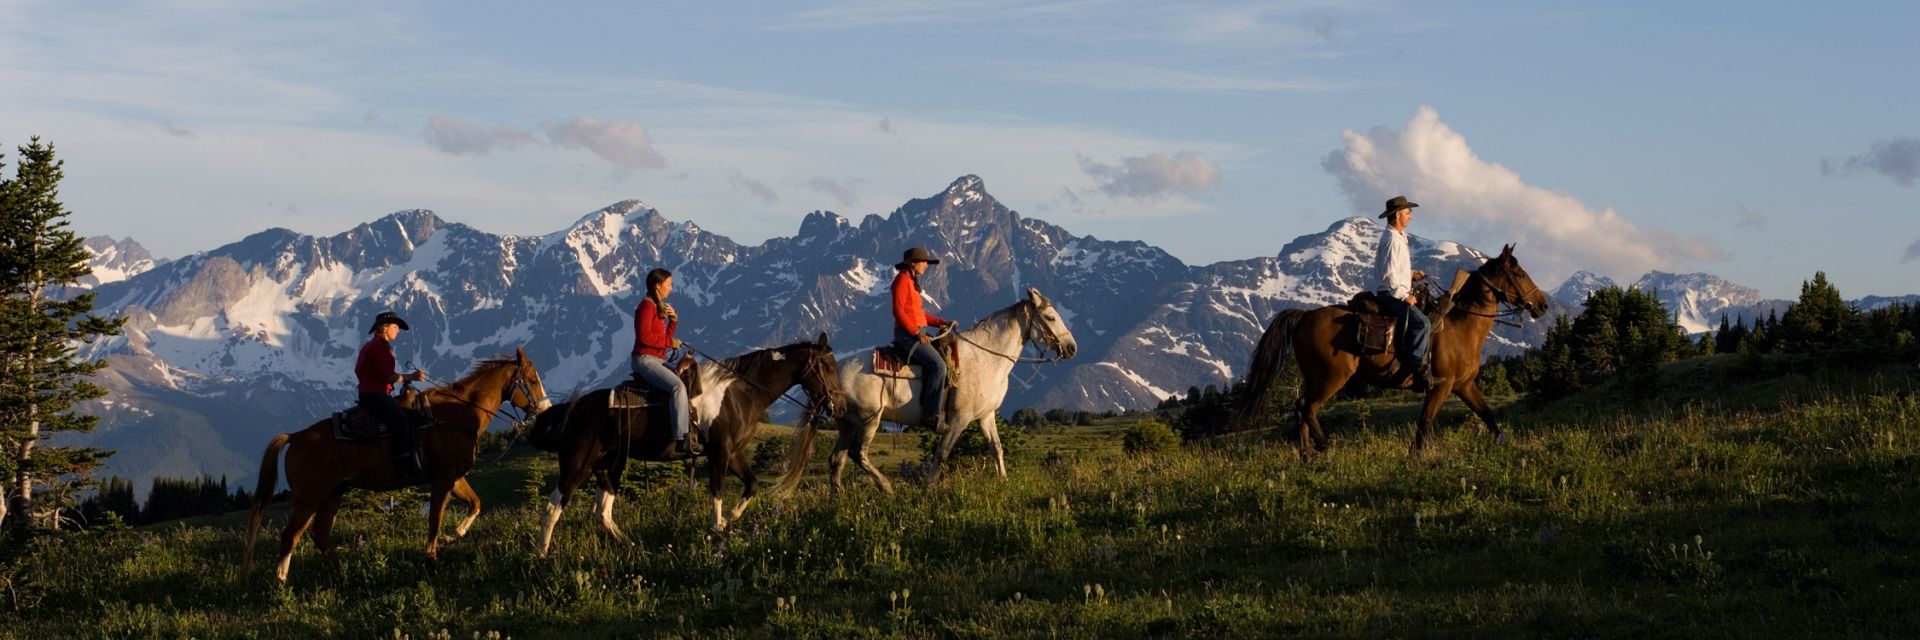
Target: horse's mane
x: 479, y: 368
x: 1006, y: 314
x: 751, y: 364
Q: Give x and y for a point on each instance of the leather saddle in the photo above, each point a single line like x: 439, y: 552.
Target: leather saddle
x: 891, y: 362
x: 634, y: 393
x: 1376, y: 331
x: 357, y: 423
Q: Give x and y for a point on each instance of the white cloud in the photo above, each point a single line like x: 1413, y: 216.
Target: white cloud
x: 622, y: 142
x: 1485, y: 204
x: 462, y: 137
x: 1155, y: 176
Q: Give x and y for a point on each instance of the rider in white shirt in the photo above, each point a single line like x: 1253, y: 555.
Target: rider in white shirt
x: 1394, y: 278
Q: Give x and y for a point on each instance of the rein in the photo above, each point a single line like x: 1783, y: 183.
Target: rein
x: 518, y: 383
x: 1500, y: 297
x: 1048, y: 343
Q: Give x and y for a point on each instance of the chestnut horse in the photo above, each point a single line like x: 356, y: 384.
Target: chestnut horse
x: 1323, y: 343
x: 592, y: 439
x: 320, y: 469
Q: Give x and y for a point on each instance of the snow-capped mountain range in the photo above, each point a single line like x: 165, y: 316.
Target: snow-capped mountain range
x: 226, y: 347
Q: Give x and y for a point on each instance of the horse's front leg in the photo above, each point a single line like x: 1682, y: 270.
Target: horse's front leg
x: 465, y: 492
x: 436, y: 511
x: 573, y: 470
x: 609, y: 490
x: 990, y: 428
x: 717, y: 458
x: 1435, y: 397
x: 725, y: 461
x: 949, y: 436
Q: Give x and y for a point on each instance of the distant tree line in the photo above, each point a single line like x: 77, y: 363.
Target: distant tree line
x: 1625, y: 335
x: 168, y: 499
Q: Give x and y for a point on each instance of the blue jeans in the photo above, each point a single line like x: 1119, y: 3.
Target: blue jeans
x: 1419, y: 334
x: 655, y: 373
x: 933, y: 371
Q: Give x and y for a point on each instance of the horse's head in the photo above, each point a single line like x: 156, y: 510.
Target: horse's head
x: 1511, y: 284
x: 525, y: 390
x: 820, y: 377
x: 1046, y: 328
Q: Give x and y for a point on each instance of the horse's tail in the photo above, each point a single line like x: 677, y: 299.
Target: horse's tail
x: 1263, y: 373
x: 263, y: 492
x: 797, y: 462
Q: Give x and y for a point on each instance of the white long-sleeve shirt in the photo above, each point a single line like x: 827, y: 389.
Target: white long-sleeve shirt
x: 1393, y: 264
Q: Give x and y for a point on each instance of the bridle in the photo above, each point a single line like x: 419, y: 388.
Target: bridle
x: 1501, y: 296
x: 518, y: 383
x: 1045, y: 342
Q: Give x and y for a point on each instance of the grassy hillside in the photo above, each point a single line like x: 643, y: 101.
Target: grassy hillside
x: 1782, y: 509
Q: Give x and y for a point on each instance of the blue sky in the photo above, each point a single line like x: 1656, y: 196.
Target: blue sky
x: 1760, y: 141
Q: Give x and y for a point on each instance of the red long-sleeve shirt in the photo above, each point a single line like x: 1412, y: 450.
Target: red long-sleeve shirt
x: 907, y: 313
x: 652, y: 336
x: 375, y: 366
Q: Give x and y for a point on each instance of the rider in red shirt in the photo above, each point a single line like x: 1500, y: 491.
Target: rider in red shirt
x: 654, y: 323
x: 376, y: 373
x: 909, y: 318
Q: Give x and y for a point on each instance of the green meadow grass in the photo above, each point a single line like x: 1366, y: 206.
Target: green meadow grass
x: 1782, y: 508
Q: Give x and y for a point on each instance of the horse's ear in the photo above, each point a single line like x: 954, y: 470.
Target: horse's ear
x: 1506, y: 251
x: 1034, y: 295
x: 823, y: 338
x: 520, y: 353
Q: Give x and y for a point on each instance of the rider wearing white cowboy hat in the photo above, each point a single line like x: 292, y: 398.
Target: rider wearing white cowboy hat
x: 1394, y: 276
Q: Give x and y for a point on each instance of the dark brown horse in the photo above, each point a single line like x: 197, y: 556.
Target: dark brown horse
x: 1323, y: 343
x: 320, y: 469
x: 592, y: 439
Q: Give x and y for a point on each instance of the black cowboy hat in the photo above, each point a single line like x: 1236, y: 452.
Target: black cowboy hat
x: 916, y: 254
x: 388, y: 317
x: 1396, y: 204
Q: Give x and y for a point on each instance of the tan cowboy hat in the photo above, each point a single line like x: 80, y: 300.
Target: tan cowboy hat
x: 1396, y: 204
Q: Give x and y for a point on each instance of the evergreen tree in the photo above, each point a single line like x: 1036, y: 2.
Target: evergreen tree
x: 1819, y: 322
x: 40, y: 377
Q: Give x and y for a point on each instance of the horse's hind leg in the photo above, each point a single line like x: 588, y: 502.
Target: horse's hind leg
x: 323, y: 529
x: 305, y: 505
x: 465, y: 492
x: 1312, y: 397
